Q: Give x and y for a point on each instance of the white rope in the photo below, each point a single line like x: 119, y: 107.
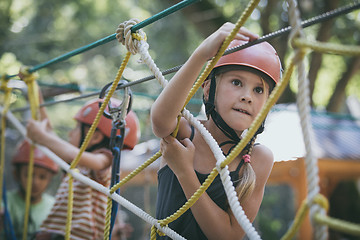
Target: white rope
x: 93, y: 184
x: 142, y: 48
x: 303, y: 102
x: 225, y: 178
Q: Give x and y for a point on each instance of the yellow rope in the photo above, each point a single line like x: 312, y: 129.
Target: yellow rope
x: 136, y: 171
x: 299, y: 218
x: 192, y: 199
x: 326, y: 47
x: 301, y: 214
x: 7, y: 97
x: 88, y: 137
x: 322, y: 201
x: 33, y: 95
x: 245, y: 15
x: 108, y: 218
x: 274, y: 96
x: 339, y: 225
x: 272, y: 99
x: 69, y: 207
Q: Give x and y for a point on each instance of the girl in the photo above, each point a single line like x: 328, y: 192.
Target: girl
x: 40, y: 201
x: 89, y: 205
x: 234, y: 93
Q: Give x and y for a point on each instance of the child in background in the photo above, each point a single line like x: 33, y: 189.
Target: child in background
x: 234, y: 93
x: 40, y: 202
x: 89, y: 205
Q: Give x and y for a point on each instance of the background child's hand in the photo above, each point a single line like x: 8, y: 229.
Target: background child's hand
x: 210, y: 46
x: 38, y: 130
x: 179, y: 155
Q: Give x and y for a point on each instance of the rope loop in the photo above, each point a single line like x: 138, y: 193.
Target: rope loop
x: 26, y: 75
x: 322, y: 201
x: 158, y: 231
x: 129, y: 39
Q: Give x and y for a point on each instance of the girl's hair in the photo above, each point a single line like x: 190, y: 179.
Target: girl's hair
x: 247, y: 180
x: 246, y: 183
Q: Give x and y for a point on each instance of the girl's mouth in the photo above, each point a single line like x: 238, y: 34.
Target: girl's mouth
x: 242, y: 111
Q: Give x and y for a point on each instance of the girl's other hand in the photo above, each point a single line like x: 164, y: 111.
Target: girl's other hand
x: 38, y: 130
x: 179, y: 155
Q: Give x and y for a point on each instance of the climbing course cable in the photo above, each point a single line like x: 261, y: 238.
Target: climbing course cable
x: 306, y: 23
x: 112, y: 37
x: 317, y: 208
x: 130, y: 35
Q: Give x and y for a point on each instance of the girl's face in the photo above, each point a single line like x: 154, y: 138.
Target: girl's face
x: 75, y: 136
x: 240, y: 96
x: 40, y: 180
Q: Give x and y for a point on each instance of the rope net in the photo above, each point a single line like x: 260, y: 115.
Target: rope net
x: 135, y: 42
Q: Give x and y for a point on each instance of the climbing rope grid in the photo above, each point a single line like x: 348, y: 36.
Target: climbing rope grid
x: 134, y: 39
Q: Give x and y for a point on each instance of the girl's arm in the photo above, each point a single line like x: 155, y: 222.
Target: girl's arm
x: 213, y: 221
x: 39, y: 133
x: 171, y: 100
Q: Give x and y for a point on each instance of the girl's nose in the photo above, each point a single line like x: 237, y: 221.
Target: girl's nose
x: 246, y: 96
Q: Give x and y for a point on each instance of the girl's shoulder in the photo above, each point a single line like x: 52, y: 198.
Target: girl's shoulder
x: 262, y: 161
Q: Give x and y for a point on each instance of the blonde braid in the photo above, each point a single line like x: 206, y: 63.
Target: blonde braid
x: 247, y: 181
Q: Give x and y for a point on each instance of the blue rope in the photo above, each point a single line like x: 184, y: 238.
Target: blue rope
x: 116, y: 144
x: 8, y: 227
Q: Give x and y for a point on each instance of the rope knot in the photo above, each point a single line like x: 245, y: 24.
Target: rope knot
x: 322, y: 201
x: 26, y: 75
x: 129, y: 39
x: 158, y: 231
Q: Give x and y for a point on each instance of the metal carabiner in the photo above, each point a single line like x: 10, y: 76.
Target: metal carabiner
x: 118, y: 113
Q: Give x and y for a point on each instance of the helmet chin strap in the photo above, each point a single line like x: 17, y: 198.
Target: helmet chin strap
x: 219, y: 121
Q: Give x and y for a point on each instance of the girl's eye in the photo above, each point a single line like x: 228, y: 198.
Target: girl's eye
x: 237, y: 82
x: 259, y: 90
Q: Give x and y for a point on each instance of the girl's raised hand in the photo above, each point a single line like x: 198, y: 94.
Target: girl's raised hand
x: 210, y: 46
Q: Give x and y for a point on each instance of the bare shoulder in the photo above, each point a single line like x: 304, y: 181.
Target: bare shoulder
x: 262, y: 161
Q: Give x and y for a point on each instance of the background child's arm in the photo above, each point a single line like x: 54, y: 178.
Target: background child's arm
x: 39, y: 133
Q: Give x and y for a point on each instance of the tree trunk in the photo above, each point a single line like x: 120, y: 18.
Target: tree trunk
x: 280, y: 44
x: 324, y: 34
x: 338, y: 98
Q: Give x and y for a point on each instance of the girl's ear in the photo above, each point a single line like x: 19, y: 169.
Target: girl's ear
x: 206, y: 89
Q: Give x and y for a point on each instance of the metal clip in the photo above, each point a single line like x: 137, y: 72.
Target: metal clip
x: 118, y: 113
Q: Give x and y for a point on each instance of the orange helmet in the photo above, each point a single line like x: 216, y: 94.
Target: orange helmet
x: 22, y: 156
x: 89, y: 111
x: 261, y: 56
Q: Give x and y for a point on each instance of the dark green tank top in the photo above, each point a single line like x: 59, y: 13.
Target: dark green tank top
x: 170, y: 198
